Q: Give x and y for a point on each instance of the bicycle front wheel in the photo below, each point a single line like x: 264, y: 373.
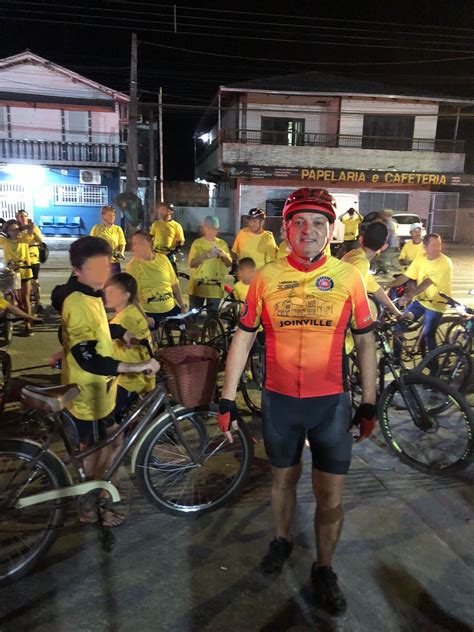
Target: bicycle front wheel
x: 251, y: 382
x: 450, y: 363
x: 168, y: 477
x: 26, y: 533
x: 421, y: 429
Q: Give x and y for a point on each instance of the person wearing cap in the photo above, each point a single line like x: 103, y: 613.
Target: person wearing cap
x: 351, y: 220
x: 255, y: 242
x: 209, y: 260
x: 112, y: 234
x: 167, y: 233
x: 305, y: 303
x: 413, y: 247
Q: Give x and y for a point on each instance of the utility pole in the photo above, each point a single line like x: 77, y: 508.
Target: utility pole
x: 132, y: 144
x: 160, y: 140
x: 151, y: 171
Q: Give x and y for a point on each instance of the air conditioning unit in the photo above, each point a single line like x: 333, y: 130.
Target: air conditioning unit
x: 90, y: 176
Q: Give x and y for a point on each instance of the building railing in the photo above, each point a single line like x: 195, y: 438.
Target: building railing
x: 60, y: 151
x: 293, y: 138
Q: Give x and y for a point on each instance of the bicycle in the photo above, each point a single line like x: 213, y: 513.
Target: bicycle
x: 181, y: 461
x: 180, y: 329
x: 425, y: 422
x: 452, y: 362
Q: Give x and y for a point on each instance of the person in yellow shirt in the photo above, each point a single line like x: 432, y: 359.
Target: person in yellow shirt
x: 17, y: 256
x: 413, y: 247
x: 88, y: 357
x: 255, y: 242
x: 432, y: 272
x: 159, y: 293
x: 209, y: 260
x: 168, y: 234
x: 33, y: 237
x: 246, y: 272
x: 120, y: 295
x: 7, y: 280
x: 112, y: 234
x: 351, y: 220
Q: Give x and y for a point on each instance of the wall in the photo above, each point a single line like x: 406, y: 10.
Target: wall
x: 35, y: 124
x: 348, y: 157
x: 105, y: 127
x: 181, y: 193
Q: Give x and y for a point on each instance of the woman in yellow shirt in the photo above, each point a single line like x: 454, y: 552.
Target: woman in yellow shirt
x: 159, y: 293
x: 112, y: 234
x: 209, y: 259
x: 120, y: 295
x: 16, y: 253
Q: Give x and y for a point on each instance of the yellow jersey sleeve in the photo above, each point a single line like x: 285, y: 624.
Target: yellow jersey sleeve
x: 240, y: 291
x: 179, y: 237
x: 121, y: 239
x: 3, y: 303
x: 413, y: 270
x: 237, y: 242
x: 271, y: 248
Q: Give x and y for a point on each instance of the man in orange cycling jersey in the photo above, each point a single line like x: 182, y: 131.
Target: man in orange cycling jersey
x: 305, y: 302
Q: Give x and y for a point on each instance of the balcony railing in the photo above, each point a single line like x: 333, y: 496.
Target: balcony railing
x: 61, y: 152
x: 264, y: 137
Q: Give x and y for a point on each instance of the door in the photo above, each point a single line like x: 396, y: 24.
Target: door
x: 443, y: 211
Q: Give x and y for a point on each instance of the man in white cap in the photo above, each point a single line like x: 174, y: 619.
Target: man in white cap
x: 413, y: 247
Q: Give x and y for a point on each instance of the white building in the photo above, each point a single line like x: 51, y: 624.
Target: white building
x: 380, y: 146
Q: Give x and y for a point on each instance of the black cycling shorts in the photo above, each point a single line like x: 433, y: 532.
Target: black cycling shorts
x: 325, y: 421
x: 91, y: 432
x: 35, y: 268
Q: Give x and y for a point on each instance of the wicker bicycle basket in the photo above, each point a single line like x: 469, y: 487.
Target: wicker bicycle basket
x: 191, y: 373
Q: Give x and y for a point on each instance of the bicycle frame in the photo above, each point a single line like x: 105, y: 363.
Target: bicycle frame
x: 155, y: 400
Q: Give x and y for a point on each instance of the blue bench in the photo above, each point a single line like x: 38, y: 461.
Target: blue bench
x: 59, y: 226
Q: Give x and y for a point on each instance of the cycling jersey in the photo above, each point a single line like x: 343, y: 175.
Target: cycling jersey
x: 260, y: 247
x: 85, y: 331
x: 207, y: 280
x: 166, y: 235
x: 17, y: 253
x: 113, y: 235
x: 351, y: 227
x: 33, y: 239
x: 305, y: 311
x: 133, y: 320
x: 358, y: 259
x: 155, y: 280
x: 440, y: 272
x: 4, y: 304
x: 410, y: 251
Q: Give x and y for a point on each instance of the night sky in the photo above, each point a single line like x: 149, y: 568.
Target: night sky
x: 93, y: 38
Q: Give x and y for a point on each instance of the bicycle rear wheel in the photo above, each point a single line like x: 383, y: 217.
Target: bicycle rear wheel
x: 450, y: 363
x: 421, y: 429
x: 27, y: 533
x: 251, y: 382
x: 169, y: 479
x: 5, y: 378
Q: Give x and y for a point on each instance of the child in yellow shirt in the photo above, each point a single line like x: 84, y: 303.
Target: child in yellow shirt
x: 120, y: 295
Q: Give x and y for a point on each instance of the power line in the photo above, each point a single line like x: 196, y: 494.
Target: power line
x: 245, y: 37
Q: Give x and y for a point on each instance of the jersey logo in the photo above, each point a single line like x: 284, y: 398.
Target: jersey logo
x: 324, y: 283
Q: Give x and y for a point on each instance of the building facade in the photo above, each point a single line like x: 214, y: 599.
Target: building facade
x: 369, y: 145
x: 60, y: 144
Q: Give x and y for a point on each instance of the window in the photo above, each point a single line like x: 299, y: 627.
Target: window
x: 388, y: 132
x: 80, y: 194
x: 370, y: 202
x: 77, y: 126
x: 282, y: 131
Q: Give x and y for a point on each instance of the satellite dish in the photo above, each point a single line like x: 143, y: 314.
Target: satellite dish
x: 131, y: 206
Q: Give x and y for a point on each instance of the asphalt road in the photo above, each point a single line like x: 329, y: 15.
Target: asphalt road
x: 405, y: 560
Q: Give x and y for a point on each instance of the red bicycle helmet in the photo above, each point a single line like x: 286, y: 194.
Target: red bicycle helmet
x: 310, y: 200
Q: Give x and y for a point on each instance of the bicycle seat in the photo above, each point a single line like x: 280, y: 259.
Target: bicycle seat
x: 51, y: 399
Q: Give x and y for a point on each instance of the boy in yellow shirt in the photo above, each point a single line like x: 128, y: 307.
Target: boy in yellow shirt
x: 112, y: 234
x: 209, y: 260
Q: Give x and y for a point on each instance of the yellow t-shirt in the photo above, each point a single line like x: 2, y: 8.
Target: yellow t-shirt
x: 133, y: 320
x: 358, y: 259
x: 166, y: 235
x: 3, y: 303
x: 83, y: 319
x: 155, y: 279
x: 113, y: 235
x: 260, y: 247
x: 240, y: 291
x: 207, y: 280
x: 410, y: 251
x: 33, y: 239
x: 351, y: 227
x: 440, y: 272
x: 284, y: 251
x: 17, y: 253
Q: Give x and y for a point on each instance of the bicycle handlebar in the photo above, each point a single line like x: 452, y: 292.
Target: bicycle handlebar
x: 460, y: 307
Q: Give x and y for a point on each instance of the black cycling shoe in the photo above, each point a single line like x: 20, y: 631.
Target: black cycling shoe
x: 278, y: 552
x: 328, y: 594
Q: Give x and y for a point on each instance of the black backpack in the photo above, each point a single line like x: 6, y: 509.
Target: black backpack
x: 43, y: 252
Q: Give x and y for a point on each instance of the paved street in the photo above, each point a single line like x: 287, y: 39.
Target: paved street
x: 405, y: 560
